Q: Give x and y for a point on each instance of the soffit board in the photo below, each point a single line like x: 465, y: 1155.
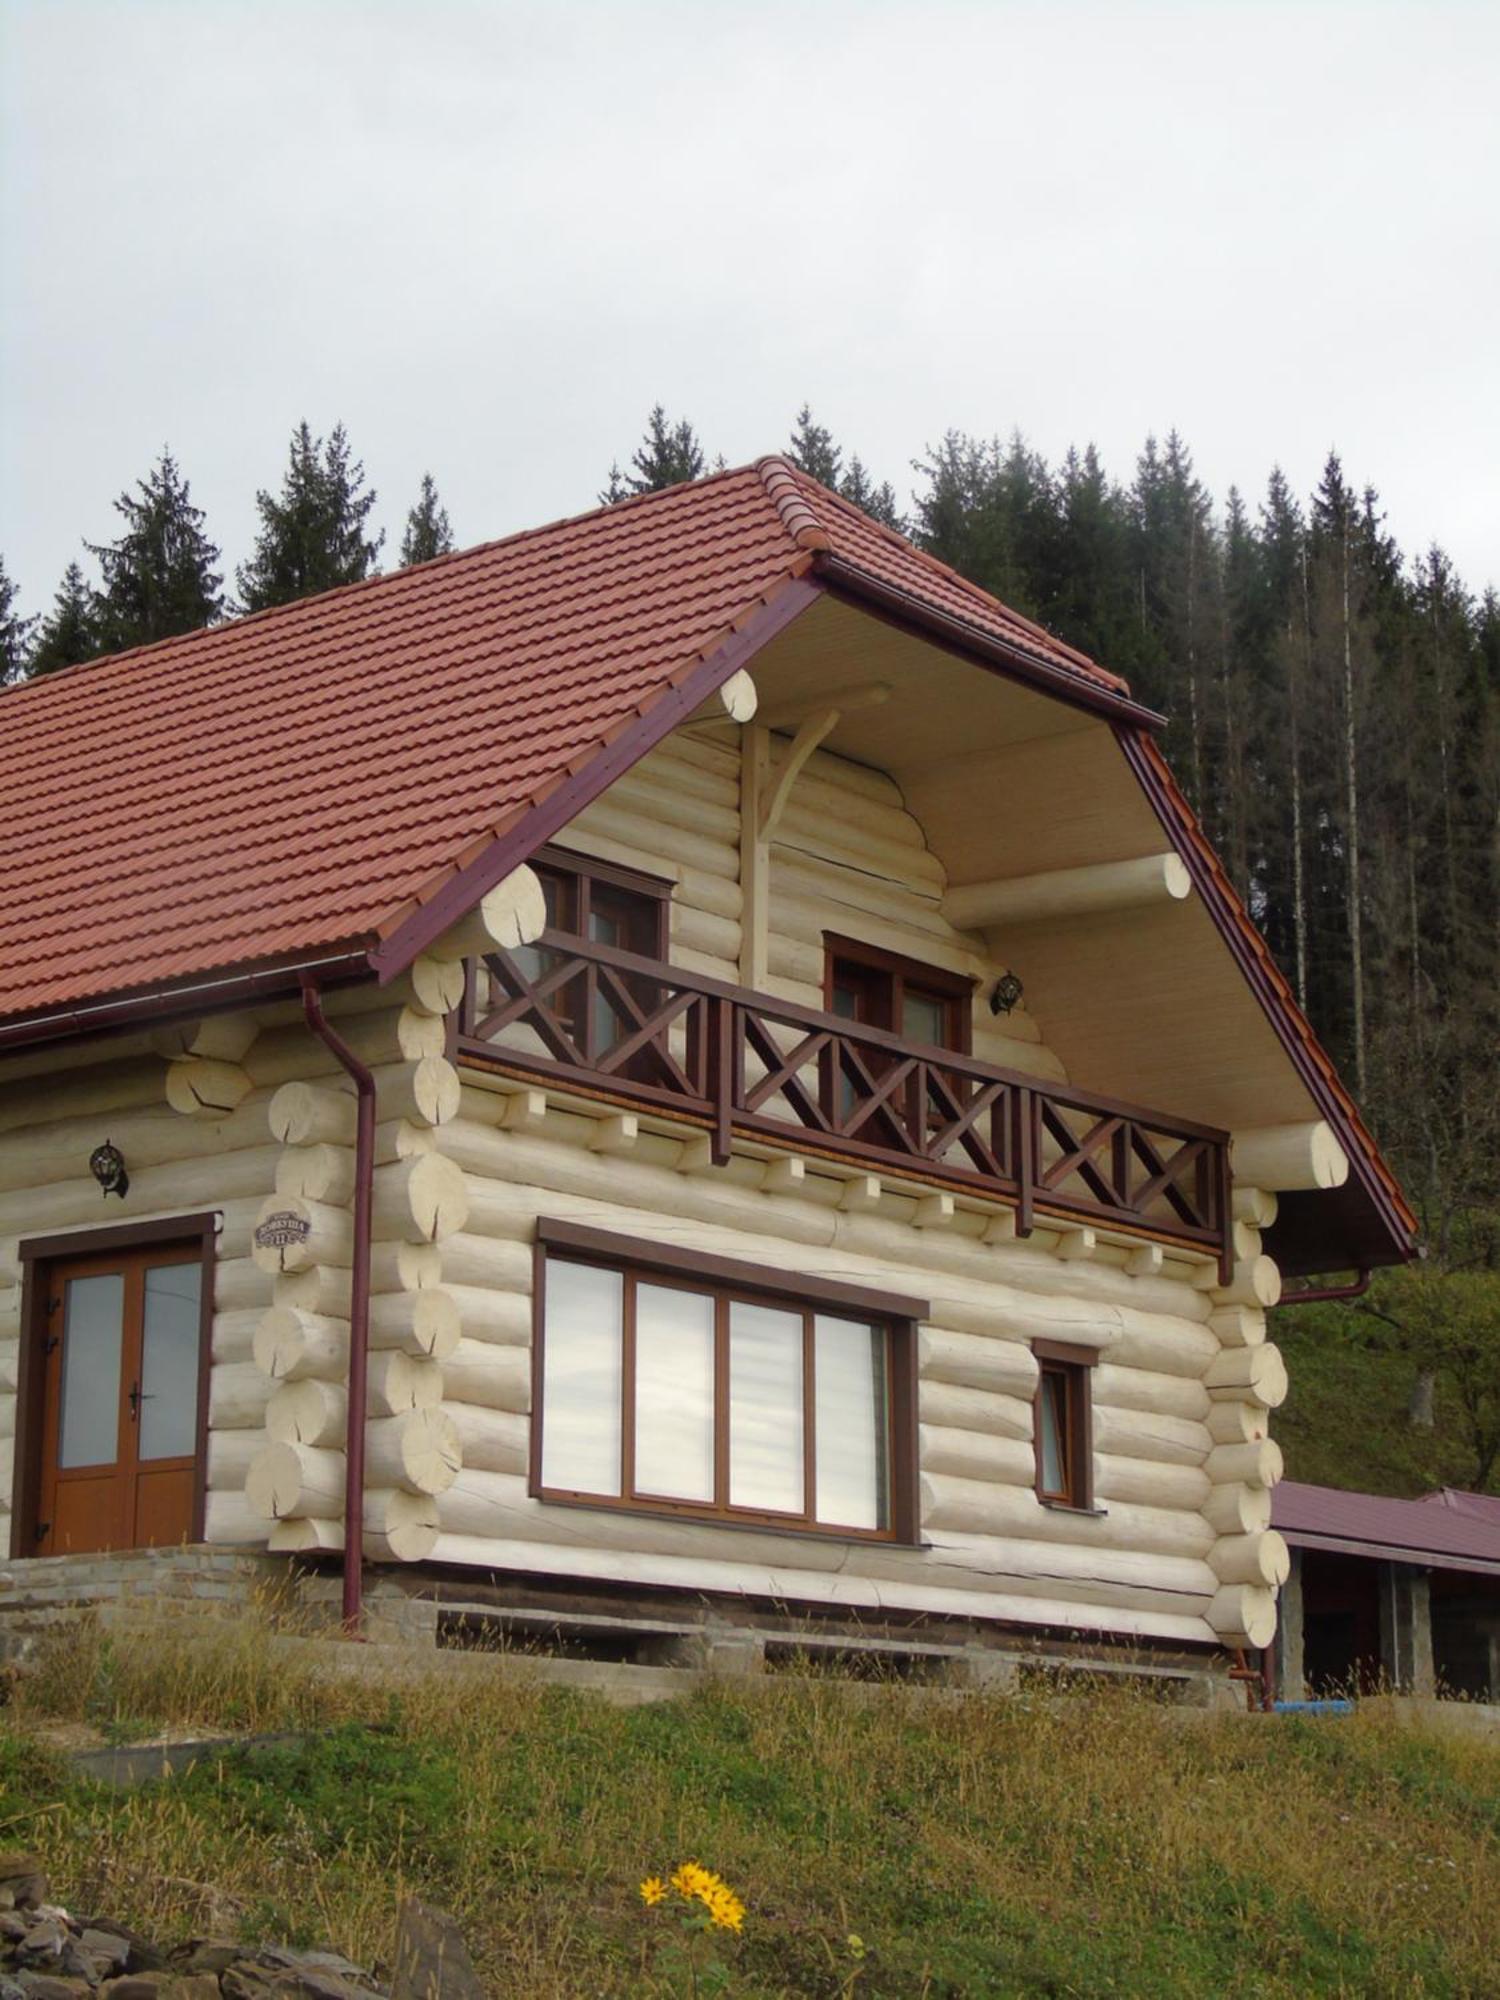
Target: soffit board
x: 1146, y: 1003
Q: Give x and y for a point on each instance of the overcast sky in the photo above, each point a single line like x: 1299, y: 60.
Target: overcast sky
x: 488, y: 236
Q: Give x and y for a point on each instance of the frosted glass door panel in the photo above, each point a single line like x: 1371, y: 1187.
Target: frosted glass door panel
x: 674, y: 1393
x: 849, y: 1381
x: 93, y: 1336
x: 765, y: 1409
x: 581, y: 1384
x: 169, y: 1361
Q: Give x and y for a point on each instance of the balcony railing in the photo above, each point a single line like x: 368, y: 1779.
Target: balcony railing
x: 737, y: 1062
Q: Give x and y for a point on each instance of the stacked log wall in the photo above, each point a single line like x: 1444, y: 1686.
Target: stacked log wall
x: 219, y: 1160
x: 297, y: 1483
x: 1149, y: 1562
x: 1179, y: 1545
x: 846, y: 857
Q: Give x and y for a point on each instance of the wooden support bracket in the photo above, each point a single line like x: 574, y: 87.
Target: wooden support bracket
x: 809, y: 735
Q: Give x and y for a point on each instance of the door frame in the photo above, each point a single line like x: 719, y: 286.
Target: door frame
x: 36, y: 1254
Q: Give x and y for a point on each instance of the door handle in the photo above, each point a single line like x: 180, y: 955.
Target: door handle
x: 137, y: 1397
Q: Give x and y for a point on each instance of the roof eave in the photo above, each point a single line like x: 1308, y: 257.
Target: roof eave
x: 1012, y: 657
x: 1390, y: 1551
x: 1394, y: 1234
x: 194, y: 994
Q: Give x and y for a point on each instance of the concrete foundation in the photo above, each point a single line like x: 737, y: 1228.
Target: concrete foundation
x: 647, y: 1647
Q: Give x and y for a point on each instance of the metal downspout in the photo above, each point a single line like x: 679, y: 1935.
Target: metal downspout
x: 359, y: 1303
x: 1317, y: 1295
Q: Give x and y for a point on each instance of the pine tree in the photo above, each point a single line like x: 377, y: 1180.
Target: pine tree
x: 70, y: 631
x: 1094, y: 606
x: 312, y: 536
x: 879, y: 502
x: 813, y: 450
x: 428, y: 531
x: 960, y: 519
x: 1341, y: 545
x: 158, y: 578
x: 667, y: 455
x: 15, y: 632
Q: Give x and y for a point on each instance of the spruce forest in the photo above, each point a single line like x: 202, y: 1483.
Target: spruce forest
x: 1333, y: 707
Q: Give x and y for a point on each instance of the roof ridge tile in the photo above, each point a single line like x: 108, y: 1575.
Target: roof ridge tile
x: 779, y: 476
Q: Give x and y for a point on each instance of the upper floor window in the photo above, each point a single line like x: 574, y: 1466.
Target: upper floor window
x: 620, y: 907
x: 722, y: 1396
x: 607, y: 905
x: 1063, y: 1426
x: 881, y: 989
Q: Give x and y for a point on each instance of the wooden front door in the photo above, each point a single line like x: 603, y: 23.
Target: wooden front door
x: 121, y: 1429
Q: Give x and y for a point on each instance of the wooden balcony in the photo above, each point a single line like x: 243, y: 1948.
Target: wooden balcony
x: 733, y: 1062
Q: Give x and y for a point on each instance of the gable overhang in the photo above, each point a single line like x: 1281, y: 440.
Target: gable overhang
x: 1366, y: 1222
x: 1363, y: 1223
x: 411, y: 931
x: 1015, y: 658
x: 826, y: 578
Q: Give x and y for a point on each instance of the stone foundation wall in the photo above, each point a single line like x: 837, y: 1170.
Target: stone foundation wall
x: 128, y: 1586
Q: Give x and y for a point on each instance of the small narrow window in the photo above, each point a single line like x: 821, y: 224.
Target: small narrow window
x: 1063, y: 1426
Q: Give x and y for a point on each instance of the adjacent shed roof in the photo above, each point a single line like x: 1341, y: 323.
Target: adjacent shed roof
x: 295, y: 781
x: 1370, y: 1524
x: 1483, y: 1507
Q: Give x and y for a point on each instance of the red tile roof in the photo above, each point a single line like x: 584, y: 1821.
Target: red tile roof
x: 298, y: 781
x: 1370, y: 1524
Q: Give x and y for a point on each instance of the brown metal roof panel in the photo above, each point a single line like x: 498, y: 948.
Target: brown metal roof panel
x: 1376, y: 1524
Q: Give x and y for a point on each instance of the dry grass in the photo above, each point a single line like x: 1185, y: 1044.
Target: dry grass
x: 1092, y: 1844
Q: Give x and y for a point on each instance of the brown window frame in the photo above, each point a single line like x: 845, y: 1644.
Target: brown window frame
x: 955, y: 990
x: 1070, y: 1365
x: 36, y: 1256
x: 726, y: 1281
x: 583, y: 872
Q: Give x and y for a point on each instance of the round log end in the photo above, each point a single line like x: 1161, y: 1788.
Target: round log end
x: 201, y: 1088
x: 1243, y: 1615
x: 515, y: 910
x: 739, y: 697
x: 402, y: 1527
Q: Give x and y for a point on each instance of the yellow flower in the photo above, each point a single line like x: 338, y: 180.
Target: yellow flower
x: 693, y: 1881
x: 726, y: 1909
x: 653, y: 1889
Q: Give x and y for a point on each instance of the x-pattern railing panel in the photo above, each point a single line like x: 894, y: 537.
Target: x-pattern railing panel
x: 745, y: 1061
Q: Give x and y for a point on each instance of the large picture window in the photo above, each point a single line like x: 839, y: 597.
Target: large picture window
x: 662, y: 1389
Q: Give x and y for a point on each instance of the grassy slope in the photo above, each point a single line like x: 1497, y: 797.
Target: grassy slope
x: 1344, y: 1421
x: 1095, y: 1844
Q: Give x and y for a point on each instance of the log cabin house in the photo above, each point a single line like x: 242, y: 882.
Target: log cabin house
x: 687, y: 1061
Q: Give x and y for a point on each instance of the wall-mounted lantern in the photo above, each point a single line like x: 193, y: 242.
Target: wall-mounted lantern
x: 107, y: 1165
x: 1006, y: 994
